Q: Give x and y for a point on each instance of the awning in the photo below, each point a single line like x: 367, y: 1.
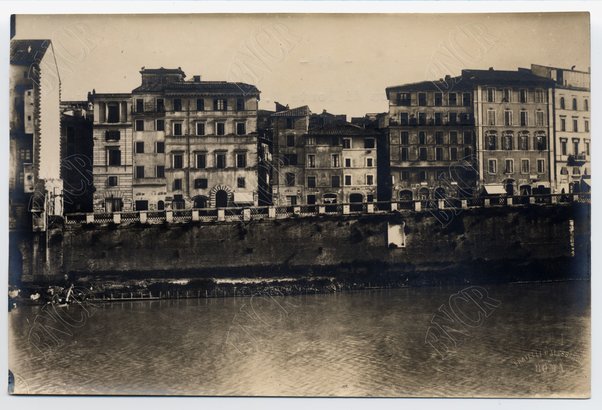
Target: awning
x: 587, y: 183
x: 495, y: 189
x: 243, y: 198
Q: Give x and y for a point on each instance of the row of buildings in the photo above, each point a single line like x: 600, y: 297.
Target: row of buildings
x: 175, y: 143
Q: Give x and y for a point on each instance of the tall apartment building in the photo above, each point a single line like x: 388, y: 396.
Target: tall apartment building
x: 572, y: 127
x: 195, y: 142
x: 34, y: 125
x: 431, y: 139
x: 113, y: 152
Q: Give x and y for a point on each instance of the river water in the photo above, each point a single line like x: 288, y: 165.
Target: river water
x: 533, y: 341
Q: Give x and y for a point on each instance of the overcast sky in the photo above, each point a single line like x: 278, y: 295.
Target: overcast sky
x: 341, y: 63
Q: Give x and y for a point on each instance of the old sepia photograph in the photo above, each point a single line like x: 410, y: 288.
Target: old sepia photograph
x: 300, y: 205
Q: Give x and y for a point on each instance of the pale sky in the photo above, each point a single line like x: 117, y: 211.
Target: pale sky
x: 341, y: 63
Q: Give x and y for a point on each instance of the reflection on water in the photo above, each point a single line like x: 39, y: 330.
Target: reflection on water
x: 369, y: 343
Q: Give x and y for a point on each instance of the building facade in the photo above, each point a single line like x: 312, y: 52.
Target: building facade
x: 34, y: 125
x: 431, y: 139
x: 572, y: 140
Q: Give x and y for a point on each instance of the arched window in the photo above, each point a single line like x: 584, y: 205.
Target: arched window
x: 574, y: 104
x: 562, y: 104
x: 406, y: 195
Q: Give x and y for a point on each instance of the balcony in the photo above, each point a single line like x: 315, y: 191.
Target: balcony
x: 576, y: 160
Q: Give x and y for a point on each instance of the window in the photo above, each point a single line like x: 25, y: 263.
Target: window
x: 453, y: 154
x: 453, y: 99
x: 311, y: 140
x: 201, y: 160
x: 347, y: 180
x: 311, y: 182
x: 404, y: 118
x: 586, y: 104
x: 423, y: 176
x: 160, y: 125
x: 507, y: 141
x: 575, y: 125
x: 438, y: 99
x: 405, y: 138
x: 422, y: 99
x: 347, y: 162
x: 439, y: 154
x: 422, y: 154
x: 492, y: 166
x: 562, y: 103
x: 467, y: 137
x: 509, y: 166
x: 200, y: 128
x: 587, y: 148
x: 112, y: 181
x: 140, y: 171
x: 422, y: 138
x: 200, y: 104
x: 290, y: 140
x: 241, y: 128
x: 240, y: 182
x: 160, y: 147
x: 346, y: 143
x: 160, y: 171
x: 139, y: 105
x: 421, y: 118
x: 220, y: 128
x: 177, y: 161
x: 291, y: 200
x: 290, y: 159
x: 563, y: 146
x: 405, y: 154
x: 540, y: 96
x: 290, y: 123
x: 525, y: 167
x: 522, y: 96
x: 369, y: 180
x: 177, y: 104
x: 539, y: 118
x: 114, y: 156
x: 311, y: 161
x: 574, y: 104
x: 335, y: 181
x: 369, y: 162
x: 404, y: 99
x: 220, y: 160
x: 177, y: 184
x: 177, y: 128
x: 453, y: 137
x: 507, y: 95
x: 491, y: 141
x: 438, y: 118
x: 160, y: 105
x: 563, y: 124
x: 335, y: 161
x: 453, y: 118
x: 241, y: 160
x: 240, y: 104
x: 113, y: 113
x: 200, y: 183
x: 491, y: 95
x: 405, y: 175
x: 575, y: 146
x: 467, y: 153
x: 540, y: 142
x: 541, y: 166
x: 523, y: 141
x: 524, y: 118
x: 576, y: 171
x: 586, y: 125
x: 139, y: 147
x: 490, y: 117
x: 466, y: 99
x: 289, y: 179
x: 220, y: 104
x: 369, y: 143
x: 507, y: 118
x: 139, y: 125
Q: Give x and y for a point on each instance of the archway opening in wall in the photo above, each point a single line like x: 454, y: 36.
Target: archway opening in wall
x: 200, y: 202
x: 423, y: 194
x: 221, y: 199
x: 440, y: 193
x: 509, y: 187
x: 356, y: 201
x: 330, y: 200
x: 525, y: 192
x: 160, y: 206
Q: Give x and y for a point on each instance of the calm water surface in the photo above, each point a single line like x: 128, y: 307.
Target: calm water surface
x: 369, y: 343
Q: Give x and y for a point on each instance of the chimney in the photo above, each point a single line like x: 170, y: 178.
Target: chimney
x: 196, y: 78
x: 447, y: 77
x: 490, y: 68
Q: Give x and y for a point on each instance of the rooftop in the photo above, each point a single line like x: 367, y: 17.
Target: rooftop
x: 27, y: 52
x: 343, y: 129
x: 294, y: 112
